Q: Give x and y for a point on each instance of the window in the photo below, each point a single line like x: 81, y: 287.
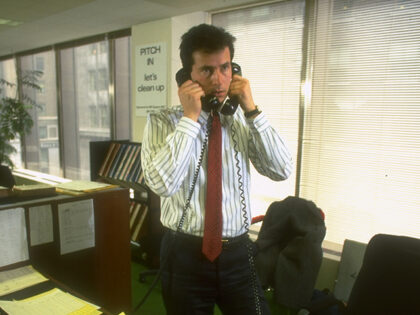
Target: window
x: 8, y: 73
x: 268, y: 47
x: 103, y: 116
x: 41, y: 109
x: 102, y: 79
x: 52, y: 132
x: 85, y: 103
x: 43, y: 134
x: 41, y: 152
x: 85, y: 89
x: 361, y: 122
x: 92, y: 116
x: 362, y: 129
x: 39, y: 63
x: 98, y: 80
x: 92, y: 80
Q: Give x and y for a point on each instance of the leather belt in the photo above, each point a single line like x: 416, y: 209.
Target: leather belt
x: 226, y: 241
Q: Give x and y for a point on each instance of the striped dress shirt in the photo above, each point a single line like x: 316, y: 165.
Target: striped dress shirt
x: 170, y: 153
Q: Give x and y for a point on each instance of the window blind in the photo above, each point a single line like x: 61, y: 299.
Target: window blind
x: 361, y: 143
x: 269, y: 49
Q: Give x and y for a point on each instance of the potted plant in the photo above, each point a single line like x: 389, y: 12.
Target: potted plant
x: 15, y: 118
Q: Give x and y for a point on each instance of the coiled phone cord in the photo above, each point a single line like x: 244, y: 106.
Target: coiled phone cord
x: 184, y: 212
x: 246, y: 221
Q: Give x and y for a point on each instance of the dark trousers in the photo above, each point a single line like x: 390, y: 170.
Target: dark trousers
x: 193, y: 285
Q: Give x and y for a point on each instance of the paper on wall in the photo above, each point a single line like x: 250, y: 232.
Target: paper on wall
x: 76, y: 225
x: 41, y: 225
x: 13, y: 240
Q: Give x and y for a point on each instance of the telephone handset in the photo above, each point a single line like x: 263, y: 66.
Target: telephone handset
x: 210, y: 102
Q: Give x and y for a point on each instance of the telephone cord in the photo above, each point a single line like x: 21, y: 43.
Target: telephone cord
x: 184, y: 212
x: 246, y: 221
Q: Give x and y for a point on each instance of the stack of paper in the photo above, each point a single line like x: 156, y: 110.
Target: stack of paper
x: 19, y: 278
x: 78, y: 187
x: 37, y: 190
x: 53, y: 302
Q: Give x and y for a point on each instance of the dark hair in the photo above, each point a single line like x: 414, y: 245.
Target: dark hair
x: 204, y: 37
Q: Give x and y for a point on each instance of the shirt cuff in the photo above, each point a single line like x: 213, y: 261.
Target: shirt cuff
x: 188, y: 126
x: 258, y: 124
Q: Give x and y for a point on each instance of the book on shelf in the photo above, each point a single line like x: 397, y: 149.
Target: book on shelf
x: 113, y: 153
x: 134, y: 163
x: 122, y: 164
x: 134, y: 214
x: 107, y: 159
x: 132, y: 204
x: 141, y: 179
x: 116, y: 161
x: 131, y: 159
x: 134, y: 160
x: 139, y: 223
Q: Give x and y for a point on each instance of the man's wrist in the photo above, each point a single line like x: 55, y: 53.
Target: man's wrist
x: 252, y: 113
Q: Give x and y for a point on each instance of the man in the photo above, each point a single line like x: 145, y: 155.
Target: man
x: 195, y: 278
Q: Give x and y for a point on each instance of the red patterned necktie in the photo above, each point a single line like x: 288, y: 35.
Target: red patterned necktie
x: 212, y: 239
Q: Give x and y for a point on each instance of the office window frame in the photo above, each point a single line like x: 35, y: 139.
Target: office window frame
x: 107, y: 46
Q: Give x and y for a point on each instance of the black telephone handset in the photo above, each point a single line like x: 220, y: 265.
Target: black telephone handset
x: 209, y: 102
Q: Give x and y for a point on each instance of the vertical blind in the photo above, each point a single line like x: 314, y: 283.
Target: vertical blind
x: 361, y: 143
x: 269, y: 49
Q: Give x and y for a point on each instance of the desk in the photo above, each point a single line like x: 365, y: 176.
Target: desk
x: 101, y: 273
x: 42, y: 288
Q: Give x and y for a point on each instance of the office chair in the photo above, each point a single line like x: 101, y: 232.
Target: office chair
x: 388, y: 281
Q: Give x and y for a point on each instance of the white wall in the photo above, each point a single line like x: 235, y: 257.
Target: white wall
x: 167, y: 31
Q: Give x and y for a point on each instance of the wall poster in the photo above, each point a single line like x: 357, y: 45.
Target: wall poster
x: 151, y: 77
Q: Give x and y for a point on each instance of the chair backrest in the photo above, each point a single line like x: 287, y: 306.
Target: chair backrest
x: 350, y: 264
x: 389, y: 280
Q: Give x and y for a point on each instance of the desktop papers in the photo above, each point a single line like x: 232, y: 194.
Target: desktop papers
x: 53, y: 302
x: 77, y: 225
x: 78, y: 187
x: 19, y: 278
x: 41, y: 225
x: 13, y: 241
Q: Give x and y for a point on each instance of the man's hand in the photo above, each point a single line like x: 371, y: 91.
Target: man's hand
x: 190, y: 94
x: 240, y: 88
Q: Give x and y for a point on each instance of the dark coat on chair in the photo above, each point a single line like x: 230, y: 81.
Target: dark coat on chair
x: 289, y: 250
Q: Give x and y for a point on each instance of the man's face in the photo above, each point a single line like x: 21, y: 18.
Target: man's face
x: 213, y: 72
